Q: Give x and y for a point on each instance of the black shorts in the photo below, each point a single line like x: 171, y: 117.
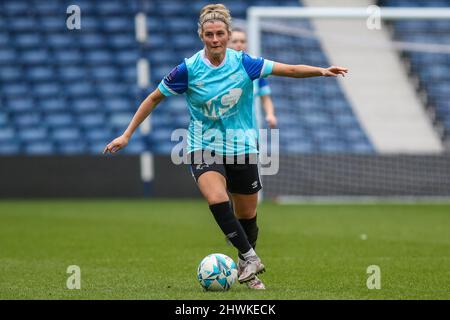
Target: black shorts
x: 242, y: 178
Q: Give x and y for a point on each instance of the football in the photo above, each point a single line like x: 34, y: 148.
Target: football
x: 217, y: 272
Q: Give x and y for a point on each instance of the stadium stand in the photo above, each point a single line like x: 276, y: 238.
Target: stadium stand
x: 432, y: 70
x: 71, y: 91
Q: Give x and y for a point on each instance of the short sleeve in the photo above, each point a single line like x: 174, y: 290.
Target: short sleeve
x: 176, y: 82
x: 256, y: 67
x: 263, y: 87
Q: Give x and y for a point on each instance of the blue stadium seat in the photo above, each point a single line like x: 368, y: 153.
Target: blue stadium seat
x: 97, y: 147
x: 5, y: 39
x: 46, y: 7
x: 15, y: 89
x: 172, y: 8
x: 105, y: 73
x: 53, y: 104
x: 159, y: 72
x: 316, y: 119
x: 439, y: 90
x: 120, y: 120
x: 73, y: 73
x: 40, y: 148
x: 412, y: 26
x: 109, y: 89
x: 346, y: 120
x: 10, y: 73
x: 129, y: 74
x: 162, y: 57
x: 354, y: 134
x: 118, y: 24
x: 175, y: 24
x: 7, y: 56
x: 135, y: 146
x: 32, y: 134
x: 90, y: 23
x: 66, y: 134
x: 127, y: 57
x: 87, y: 7
x: 79, y: 90
x: 60, y: 41
x: 157, y: 42
x: 28, y: 40
x: 118, y: 105
x: 16, y: 8
x: 287, y: 121
x: 111, y: 8
x: 40, y: 73
x: 97, y: 57
x: 54, y: 24
x: 20, y: 24
x: 184, y: 40
x: 35, y: 56
x: 122, y: 41
x: 161, y: 120
x: 9, y: 148
x: 85, y: 105
x: 325, y: 134
x: 27, y: 119
x: 58, y: 119
x: 7, y: 134
x: 20, y: 105
x: 91, y: 120
x: 71, y: 147
x: 4, y: 119
x: 99, y: 133
x: 49, y: 89
x: 68, y: 56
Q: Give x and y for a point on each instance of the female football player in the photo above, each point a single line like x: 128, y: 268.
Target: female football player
x: 218, y: 86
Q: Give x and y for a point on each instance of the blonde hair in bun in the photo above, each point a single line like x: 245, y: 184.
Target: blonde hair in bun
x: 214, y: 12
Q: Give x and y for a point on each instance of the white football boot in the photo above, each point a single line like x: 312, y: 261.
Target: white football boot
x: 247, y: 271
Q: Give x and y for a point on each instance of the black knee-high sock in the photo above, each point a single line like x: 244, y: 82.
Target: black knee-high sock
x: 230, y: 226
x: 251, y: 230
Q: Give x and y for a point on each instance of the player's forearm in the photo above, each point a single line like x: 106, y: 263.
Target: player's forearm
x: 297, y: 71
x: 142, y: 113
x: 304, y: 71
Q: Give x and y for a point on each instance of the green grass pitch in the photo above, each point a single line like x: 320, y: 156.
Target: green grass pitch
x: 150, y: 249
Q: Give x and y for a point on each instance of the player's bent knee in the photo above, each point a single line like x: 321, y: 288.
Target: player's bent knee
x: 246, y: 214
x: 215, y: 198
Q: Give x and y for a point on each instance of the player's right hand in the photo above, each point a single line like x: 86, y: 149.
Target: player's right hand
x: 115, y: 145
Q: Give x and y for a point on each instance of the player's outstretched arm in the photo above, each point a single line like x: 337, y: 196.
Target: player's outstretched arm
x: 146, y: 107
x: 305, y: 71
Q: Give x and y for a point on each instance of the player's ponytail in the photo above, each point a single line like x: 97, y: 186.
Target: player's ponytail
x: 214, y: 12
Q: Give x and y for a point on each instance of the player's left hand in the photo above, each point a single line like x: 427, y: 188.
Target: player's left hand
x: 334, y: 71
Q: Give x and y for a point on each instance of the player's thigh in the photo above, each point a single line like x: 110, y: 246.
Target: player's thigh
x: 213, y: 187
x: 245, y: 205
